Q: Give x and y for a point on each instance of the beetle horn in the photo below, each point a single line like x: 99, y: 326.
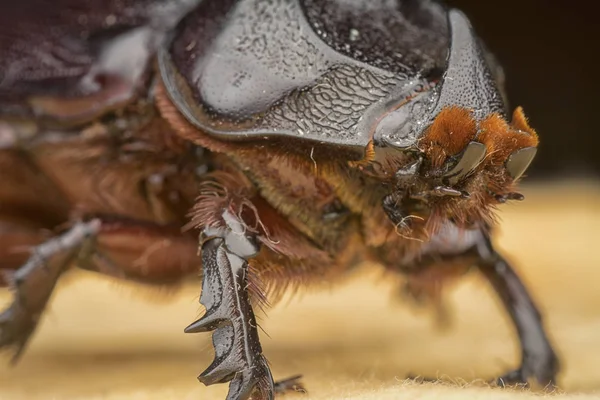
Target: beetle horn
x: 468, y: 81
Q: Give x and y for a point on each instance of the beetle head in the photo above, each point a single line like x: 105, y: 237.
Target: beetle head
x: 463, y: 170
x: 469, y: 157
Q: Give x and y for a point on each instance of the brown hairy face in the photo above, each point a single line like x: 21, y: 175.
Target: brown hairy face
x: 487, y: 184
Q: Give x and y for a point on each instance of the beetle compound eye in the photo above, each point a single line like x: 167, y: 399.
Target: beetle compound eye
x: 503, y: 198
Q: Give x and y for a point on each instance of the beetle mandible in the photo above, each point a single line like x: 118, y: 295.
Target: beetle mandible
x: 267, y: 144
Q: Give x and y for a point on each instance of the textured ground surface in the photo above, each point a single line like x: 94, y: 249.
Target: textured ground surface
x: 102, y: 340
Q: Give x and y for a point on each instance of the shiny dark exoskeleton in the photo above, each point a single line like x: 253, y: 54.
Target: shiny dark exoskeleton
x: 289, y: 140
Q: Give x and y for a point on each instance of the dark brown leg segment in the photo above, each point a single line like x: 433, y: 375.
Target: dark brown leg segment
x: 143, y: 252
x: 538, y: 360
x: 30, y: 206
x: 124, y: 249
x: 291, y: 384
x: 33, y: 284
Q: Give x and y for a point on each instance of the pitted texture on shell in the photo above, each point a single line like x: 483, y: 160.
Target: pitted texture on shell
x: 263, y: 62
x: 253, y: 53
x: 400, y: 36
x: 468, y: 82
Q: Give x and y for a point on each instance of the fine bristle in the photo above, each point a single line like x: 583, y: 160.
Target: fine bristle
x: 368, y: 157
x: 519, y: 122
x: 181, y: 126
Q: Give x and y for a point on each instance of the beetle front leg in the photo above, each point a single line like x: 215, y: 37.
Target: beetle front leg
x: 238, y: 353
x: 538, y: 358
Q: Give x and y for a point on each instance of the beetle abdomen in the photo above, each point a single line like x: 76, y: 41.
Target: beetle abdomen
x: 73, y: 60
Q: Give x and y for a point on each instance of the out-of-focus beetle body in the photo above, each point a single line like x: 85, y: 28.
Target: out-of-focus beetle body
x: 295, y: 138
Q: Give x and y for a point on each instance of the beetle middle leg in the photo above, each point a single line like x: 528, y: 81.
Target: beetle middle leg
x: 114, y: 246
x: 34, y: 281
x: 538, y: 359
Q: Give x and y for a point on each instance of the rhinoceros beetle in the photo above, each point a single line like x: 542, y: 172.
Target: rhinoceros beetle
x: 265, y: 144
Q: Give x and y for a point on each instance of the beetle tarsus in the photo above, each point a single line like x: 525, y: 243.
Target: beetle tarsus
x: 291, y: 384
x: 539, y: 361
x: 238, y: 353
x: 16, y: 327
x: 422, y: 379
x: 512, y: 378
x: 33, y: 284
x: 519, y: 377
x: 503, y: 198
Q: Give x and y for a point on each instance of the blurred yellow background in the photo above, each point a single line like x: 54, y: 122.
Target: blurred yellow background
x: 102, y: 340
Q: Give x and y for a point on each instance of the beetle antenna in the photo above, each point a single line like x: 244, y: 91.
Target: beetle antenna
x: 404, y: 224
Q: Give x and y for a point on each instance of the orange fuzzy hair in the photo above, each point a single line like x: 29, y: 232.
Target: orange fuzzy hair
x: 454, y: 127
x: 502, y: 139
x: 448, y: 135
x: 451, y: 131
